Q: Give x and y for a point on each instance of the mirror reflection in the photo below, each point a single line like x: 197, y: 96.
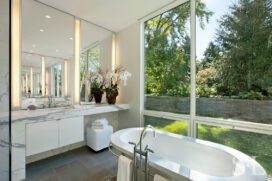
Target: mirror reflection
x: 47, y: 45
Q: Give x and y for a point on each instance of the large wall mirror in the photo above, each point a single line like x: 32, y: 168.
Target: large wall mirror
x: 47, y: 46
x: 96, y: 48
x: 47, y: 69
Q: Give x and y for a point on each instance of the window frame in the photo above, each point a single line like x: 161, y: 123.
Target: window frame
x: 192, y: 118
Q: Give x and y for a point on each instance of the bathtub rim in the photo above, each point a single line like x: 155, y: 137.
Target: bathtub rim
x: 242, y: 157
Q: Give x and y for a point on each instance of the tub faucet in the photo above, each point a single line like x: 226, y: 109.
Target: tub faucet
x: 143, y: 134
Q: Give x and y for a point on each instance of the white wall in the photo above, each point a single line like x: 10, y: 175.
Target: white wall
x: 128, y: 56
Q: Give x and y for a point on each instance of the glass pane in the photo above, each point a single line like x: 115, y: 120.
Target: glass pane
x: 94, y: 59
x: 4, y: 92
x: 172, y: 126
x: 83, y: 76
x: 56, y: 81
x: 252, y: 144
x: 234, y: 61
x: 167, y: 61
x: 60, y: 79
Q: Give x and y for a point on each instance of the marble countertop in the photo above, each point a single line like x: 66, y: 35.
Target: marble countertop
x: 39, y: 115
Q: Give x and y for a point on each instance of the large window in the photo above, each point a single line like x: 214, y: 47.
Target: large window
x: 89, y: 62
x: 167, y: 66
x: 233, y: 80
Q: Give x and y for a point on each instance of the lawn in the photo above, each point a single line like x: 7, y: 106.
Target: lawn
x: 253, y: 144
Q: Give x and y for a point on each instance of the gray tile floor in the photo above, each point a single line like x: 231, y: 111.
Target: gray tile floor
x: 82, y: 164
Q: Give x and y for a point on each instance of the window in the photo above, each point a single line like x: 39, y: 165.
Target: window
x: 258, y: 146
x: 89, y: 62
x: 167, y: 66
x: 233, y: 97
x: 234, y: 77
x: 169, y: 125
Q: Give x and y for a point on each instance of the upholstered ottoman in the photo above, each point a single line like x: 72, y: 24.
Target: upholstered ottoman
x: 98, y: 139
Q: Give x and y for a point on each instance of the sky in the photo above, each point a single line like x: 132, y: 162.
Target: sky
x: 203, y: 37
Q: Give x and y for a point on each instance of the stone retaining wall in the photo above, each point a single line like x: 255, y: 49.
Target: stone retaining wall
x: 238, y: 109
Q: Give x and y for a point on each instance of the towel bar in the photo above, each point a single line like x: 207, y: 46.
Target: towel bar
x: 115, y: 154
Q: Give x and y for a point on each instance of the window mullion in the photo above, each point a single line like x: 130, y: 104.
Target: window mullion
x: 192, y: 126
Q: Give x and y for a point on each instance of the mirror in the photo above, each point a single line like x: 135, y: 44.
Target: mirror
x: 96, y: 47
x: 48, y: 51
x: 47, y: 43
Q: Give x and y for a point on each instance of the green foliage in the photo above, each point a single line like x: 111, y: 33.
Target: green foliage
x: 238, y: 61
x: 253, y: 96
x: 243, y: 39
x: 167, y: 50
x: 242, y: 52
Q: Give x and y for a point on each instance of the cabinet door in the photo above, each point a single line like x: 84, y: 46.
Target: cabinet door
x: 41, y: 137
x: 71, y: 130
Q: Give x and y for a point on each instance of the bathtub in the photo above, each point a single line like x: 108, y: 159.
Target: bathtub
x: 179, y: 157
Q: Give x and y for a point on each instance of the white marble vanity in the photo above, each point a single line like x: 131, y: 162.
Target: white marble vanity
x: 44, y: 132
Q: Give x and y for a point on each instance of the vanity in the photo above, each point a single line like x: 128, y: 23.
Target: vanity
x: 46, y: 132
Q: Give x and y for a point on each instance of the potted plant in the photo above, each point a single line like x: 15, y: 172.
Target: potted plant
x: 112, y: 81
x: 96, y: 81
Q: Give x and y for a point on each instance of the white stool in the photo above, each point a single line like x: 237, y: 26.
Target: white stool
x: 98, y: 139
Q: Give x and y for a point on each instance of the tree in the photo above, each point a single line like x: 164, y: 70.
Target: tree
x: 167, y: 50
x: 244, y: 37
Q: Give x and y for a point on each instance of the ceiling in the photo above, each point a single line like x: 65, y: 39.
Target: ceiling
x: 112, y: 14
x: 32, y: 60
x: 56, y: 40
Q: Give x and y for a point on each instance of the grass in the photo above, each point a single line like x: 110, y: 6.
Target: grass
x: 253, y: 144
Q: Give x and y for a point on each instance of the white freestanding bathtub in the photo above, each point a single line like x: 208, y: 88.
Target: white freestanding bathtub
x: 184, y: 158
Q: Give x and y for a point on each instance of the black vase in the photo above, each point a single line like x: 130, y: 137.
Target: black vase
x: 98, y: 96
x: 111, y: 97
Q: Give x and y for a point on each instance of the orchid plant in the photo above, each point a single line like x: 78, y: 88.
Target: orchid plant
x: 114, y: 78
x: 96, y: 80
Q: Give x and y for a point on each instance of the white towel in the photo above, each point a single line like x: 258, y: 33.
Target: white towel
x: 97, y: 127
x: 159, y: 178
x: 102, y: 121
x: 97, y: 124
x: 124, y: 169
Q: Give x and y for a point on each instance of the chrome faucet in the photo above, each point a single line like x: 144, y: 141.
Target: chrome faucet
x: 142, y: 153
x: 143, y: 134
x: 50, y: 101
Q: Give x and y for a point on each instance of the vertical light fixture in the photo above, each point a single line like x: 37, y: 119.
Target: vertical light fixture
x: 77, y: 61
x: 43, y: 76
x: 47, y: 81
x: 113, y: 52
x: 26, y: 82
x: 16, y: 53
x: 23, y: 83
x: 31, y: 80
x: 65, y: 78
x: 39, y: 82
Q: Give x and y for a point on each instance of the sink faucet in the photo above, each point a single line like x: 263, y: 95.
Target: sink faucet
x: 50, y: 101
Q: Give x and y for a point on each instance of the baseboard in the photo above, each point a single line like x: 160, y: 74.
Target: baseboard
x: 46, y: 154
